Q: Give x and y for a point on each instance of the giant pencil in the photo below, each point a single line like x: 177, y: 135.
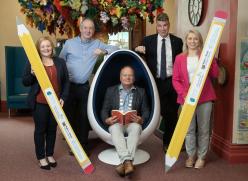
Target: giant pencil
x: 48, y: 91
x: 195, y: 89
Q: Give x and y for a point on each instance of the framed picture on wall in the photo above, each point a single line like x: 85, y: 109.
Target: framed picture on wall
x: 242, y: 123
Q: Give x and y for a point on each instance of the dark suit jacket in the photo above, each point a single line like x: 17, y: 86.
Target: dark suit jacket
x: 30, y: 80
x: 139, y: 103
x: 150, y: 42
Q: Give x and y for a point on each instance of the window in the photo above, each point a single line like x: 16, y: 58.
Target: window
x: 120, y: 39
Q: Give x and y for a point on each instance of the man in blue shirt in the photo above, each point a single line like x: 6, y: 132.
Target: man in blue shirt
x: 80, y: 54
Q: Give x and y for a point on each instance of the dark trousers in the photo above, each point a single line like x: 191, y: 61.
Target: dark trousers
x: 45, y: 131
x: 76, y: 111
x: 169, y: 107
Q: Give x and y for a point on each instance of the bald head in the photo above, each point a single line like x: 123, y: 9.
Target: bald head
x: 127, y: 77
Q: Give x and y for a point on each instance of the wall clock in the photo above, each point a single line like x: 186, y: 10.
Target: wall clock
x: 195, y: 11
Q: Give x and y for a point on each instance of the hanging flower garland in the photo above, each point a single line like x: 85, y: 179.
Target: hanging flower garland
x: 109, y: 15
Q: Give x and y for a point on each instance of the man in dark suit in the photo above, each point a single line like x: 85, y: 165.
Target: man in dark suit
x: 125, y: 97
x: 160, y: 51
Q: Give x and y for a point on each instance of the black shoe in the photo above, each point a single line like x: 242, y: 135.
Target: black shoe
x: 70, y: 153
x: 45, y: 167
x: 52, y: 162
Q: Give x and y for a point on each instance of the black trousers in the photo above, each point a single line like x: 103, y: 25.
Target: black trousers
x: 45, y: 131
x: 169, y: 107
x: 76, y: 111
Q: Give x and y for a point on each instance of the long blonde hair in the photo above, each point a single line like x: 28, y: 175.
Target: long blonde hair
x: 199, y: 36
x: 41, y: 39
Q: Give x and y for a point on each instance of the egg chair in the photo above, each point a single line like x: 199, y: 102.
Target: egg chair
x: 108, y: 74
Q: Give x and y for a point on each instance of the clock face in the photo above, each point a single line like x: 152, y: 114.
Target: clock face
x: 195, y: 11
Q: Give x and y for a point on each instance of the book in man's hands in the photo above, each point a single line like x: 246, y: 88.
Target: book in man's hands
x: 124, y: 117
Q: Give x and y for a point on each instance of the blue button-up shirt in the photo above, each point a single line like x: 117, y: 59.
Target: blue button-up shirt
x: 80, y: 58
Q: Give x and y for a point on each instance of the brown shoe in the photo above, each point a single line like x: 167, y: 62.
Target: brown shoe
x: 129, y: 168
x: 120, y: 169
x: 190, y: 162
x: 200, y: 163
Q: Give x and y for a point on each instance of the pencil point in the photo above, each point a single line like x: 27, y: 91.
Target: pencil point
x: 167, y: 168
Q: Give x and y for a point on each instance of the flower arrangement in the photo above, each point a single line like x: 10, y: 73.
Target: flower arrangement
x: 109, y: 15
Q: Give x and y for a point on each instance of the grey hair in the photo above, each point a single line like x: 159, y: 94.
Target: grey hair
x: 86, y: 19
x: 163, y: 17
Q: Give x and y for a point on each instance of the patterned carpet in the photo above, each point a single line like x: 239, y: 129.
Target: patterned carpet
x: 18, y: 162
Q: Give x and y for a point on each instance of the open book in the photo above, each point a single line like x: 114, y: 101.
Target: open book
x: 123, y: 117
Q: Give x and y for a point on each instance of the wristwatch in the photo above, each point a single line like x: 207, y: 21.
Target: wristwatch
x: 105, y: 52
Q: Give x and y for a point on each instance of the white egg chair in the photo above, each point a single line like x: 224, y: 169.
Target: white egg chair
x: 108, y: 75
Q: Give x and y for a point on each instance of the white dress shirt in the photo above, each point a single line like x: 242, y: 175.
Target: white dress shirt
x: 169, y: 64
x: 192, y: 63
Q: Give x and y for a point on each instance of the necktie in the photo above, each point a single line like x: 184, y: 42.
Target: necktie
x: 163, y: 61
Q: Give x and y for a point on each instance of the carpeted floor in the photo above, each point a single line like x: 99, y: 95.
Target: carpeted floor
x: 18, y: 162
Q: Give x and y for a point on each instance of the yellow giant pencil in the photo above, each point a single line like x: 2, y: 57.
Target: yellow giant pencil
x: 195, y: 89
x: 48, y: 91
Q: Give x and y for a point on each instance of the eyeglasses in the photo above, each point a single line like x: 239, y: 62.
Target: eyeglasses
x: 127, y: 75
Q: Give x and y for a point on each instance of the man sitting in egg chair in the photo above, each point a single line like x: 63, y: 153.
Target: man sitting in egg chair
x: 124, y: 110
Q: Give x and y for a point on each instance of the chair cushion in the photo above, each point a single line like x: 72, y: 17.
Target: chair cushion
x: 18, y: 97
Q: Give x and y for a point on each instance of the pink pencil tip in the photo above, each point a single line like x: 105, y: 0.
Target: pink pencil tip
x: 221, y: 14
x: 89, y: 169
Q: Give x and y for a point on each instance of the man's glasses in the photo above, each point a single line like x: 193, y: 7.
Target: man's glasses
x: 127, y: 75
